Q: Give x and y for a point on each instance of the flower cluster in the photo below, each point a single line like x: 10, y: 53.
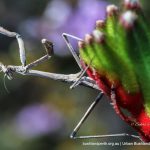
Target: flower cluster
x: 118, y: 54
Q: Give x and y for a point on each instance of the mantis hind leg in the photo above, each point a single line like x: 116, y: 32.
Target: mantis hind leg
x: 85, y: 116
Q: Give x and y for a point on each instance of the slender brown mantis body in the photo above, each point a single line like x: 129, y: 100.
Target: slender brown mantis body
x: 76, y: 79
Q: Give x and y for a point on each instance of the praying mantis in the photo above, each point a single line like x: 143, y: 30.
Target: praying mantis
x: 76, y: 79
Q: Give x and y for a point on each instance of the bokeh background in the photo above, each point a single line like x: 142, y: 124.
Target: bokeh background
x: 40, y: 114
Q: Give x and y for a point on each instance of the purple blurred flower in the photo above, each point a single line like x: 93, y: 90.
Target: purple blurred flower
x: 38, y: 119
x: 59, y: 18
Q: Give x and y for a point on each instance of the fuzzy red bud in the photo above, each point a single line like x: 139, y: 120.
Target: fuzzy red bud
x: 88, y: 39
x: 128, y: 19
x: 132, y: 4
x: 112, y: 10
x: 100, y: 24
x: 98, y: 36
